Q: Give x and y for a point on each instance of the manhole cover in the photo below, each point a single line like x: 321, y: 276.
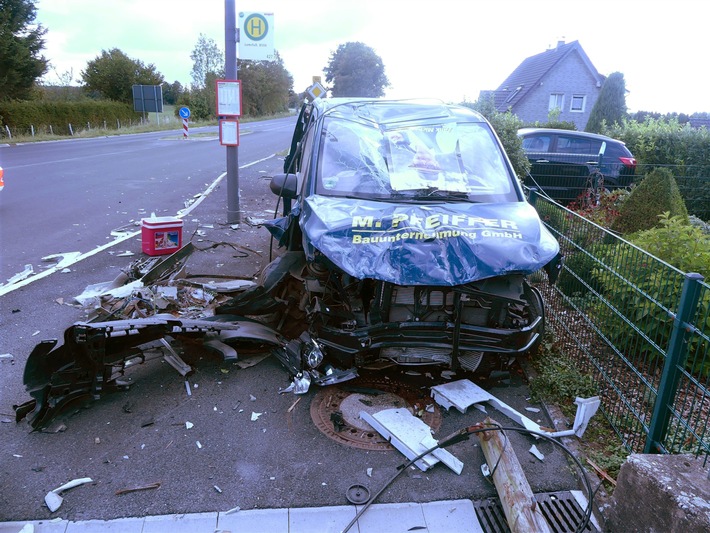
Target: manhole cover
x: 336, y: 410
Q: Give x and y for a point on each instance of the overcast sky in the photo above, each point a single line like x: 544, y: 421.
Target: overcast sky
x: 448, y: 49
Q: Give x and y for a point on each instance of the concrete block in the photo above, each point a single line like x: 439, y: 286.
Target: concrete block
x: 661, y: 493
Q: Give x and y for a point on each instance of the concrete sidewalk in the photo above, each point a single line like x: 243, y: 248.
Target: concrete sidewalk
x: 446, y: 516
x: 451, y: 516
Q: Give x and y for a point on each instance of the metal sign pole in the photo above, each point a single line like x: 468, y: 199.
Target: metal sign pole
x: 230, y: 70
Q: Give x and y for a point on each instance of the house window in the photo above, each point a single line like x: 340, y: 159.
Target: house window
x: 557, y: 101
x: 578, y: 103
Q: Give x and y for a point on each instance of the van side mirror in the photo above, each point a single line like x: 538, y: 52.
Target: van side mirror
x: 284, y: 185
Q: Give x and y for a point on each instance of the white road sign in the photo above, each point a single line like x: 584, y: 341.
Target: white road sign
x: 256, y: 36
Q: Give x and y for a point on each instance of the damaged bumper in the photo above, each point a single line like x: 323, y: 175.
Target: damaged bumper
x: 94, y: 356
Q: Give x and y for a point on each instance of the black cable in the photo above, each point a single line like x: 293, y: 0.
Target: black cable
x: 463, y: 434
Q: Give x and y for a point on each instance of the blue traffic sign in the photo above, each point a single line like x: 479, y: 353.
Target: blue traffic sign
x: 185, y: 112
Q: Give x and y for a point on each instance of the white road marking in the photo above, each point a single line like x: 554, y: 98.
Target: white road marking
x: 5, y: 289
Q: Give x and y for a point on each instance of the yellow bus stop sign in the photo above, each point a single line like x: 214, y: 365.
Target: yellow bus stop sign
x: 256, y: 36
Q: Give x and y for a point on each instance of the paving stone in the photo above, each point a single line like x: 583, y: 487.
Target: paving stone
x: 321, y: 519
x: 255, y: 521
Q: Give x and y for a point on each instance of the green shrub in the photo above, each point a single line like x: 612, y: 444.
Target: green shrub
x: 608, y: 209
x: 665, y: 142
x: 20, y: 117
x: 643, y: 289
x: 678, y: 243
x: 668, y: 142
x: 577, y: 272
x: 559, y: 380
x: 656, y: 194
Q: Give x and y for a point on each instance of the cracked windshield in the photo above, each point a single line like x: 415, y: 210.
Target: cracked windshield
x: 460, y: 158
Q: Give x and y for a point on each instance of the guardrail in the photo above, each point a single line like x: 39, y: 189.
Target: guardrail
x: 639, y: 327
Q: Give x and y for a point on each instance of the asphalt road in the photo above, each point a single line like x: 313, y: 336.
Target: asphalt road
x: 230, y: 456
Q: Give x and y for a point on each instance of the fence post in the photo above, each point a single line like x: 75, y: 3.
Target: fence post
x: 676, y: 354
x: 532, y: 197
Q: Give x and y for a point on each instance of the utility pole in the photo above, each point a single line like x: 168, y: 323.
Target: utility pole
x: 230, y: 69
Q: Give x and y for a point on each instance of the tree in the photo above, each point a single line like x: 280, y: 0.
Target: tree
x: 610, y: 107
x: 355, y: 69
x: 266, y: 86
x: 207, y: 58
x: 172, y: 92
x: 113, y: 74
x: 21, y: 42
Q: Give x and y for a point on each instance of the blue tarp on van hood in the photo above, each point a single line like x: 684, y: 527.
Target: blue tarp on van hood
x: 440, y: 243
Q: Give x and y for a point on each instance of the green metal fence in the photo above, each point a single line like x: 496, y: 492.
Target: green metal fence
x: 640, y: 327
x: 567, y: 180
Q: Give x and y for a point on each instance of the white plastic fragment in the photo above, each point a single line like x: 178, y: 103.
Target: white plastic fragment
x: 411, y: 436
x: 532, y: 409
x: 27, y: 272
x: 537, y: 453
x: 53, y: 500
x: 187, y: 387
x: 255, y: 416
x: 233, y: 510
x: 369, y: 472
x: 199, y: 444
x: 463, y: 393
x: 189, y: 425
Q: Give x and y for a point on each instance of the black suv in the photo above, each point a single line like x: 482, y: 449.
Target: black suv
x: 567, y: 164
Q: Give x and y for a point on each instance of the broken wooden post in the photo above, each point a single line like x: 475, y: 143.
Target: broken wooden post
x: 516, y: 496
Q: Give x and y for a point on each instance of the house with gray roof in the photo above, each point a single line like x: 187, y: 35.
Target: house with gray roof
x: 561, y: 78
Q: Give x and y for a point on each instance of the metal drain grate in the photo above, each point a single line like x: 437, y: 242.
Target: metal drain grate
x: 560, y: 509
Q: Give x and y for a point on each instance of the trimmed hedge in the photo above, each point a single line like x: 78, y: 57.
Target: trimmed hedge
x: 657, y: 193
x: 21, y: 117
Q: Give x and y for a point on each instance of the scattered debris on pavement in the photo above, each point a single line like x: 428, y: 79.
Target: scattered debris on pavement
x: 149, y: 486
x: 54, y: 500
